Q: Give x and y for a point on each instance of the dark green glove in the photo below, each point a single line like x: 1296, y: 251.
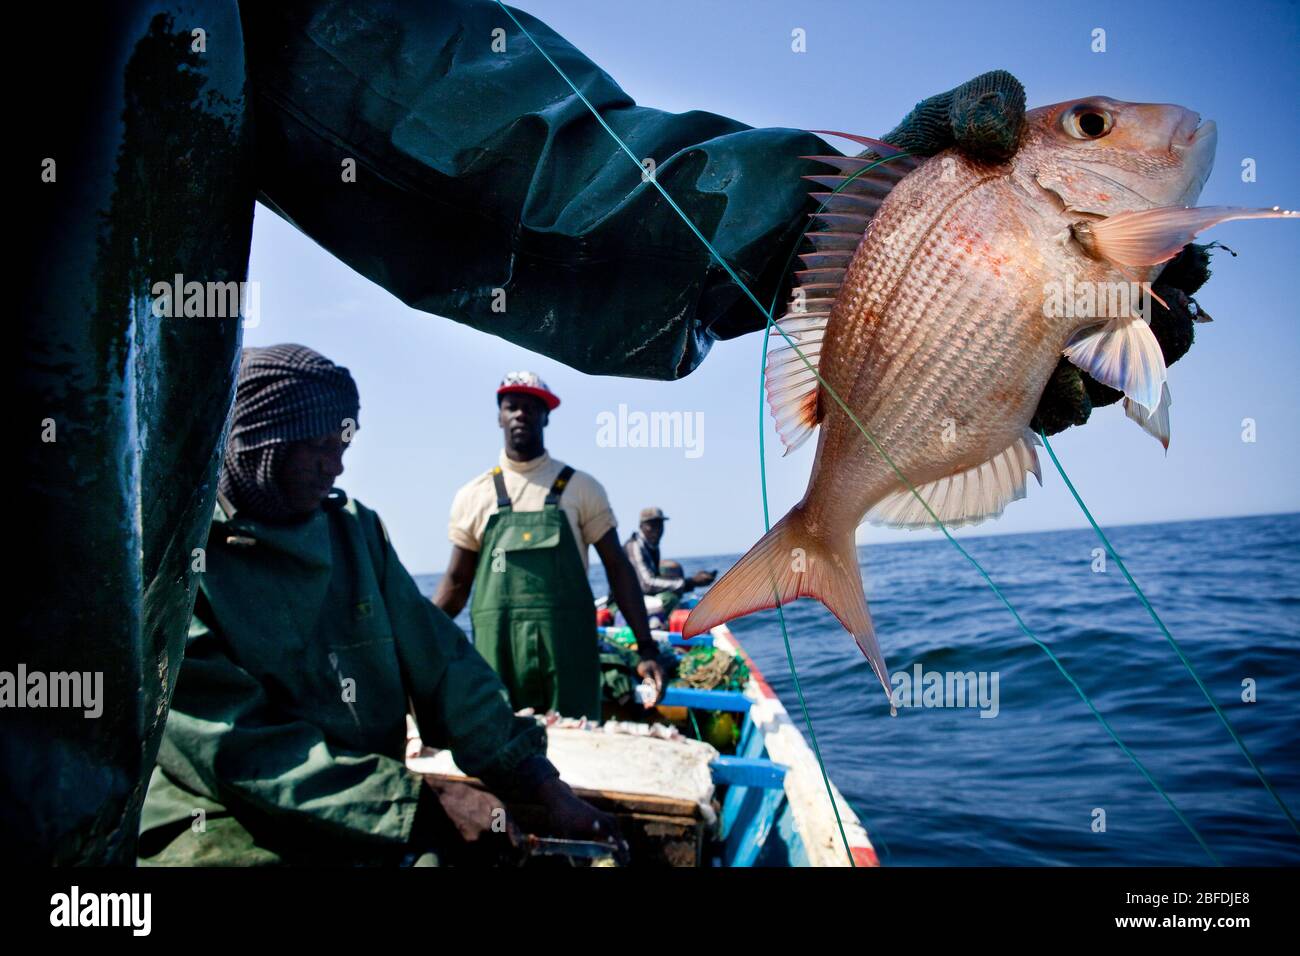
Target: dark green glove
x: 983, y: 118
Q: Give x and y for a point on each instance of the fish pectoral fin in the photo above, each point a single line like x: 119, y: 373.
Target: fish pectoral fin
x: 1151, y: 236
x: 967, y: 497
x: 1155, y: 422
x: 1124, y: 354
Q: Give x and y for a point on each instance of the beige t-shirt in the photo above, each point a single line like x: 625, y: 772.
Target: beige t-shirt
x: 584, y: 502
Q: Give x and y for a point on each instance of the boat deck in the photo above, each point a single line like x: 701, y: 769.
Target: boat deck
x: 682, y: 803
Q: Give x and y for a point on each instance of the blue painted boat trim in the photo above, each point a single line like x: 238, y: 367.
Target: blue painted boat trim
x: 674, y: 638
x: 747, y: 843
x: 729, y: 700
x: 703, y: 640
x: 748, y: 772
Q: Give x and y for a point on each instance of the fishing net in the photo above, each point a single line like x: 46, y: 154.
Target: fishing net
x: 710, y: 668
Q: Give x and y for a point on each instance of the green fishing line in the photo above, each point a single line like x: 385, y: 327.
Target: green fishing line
x: 870, y: 438
x: 1241, y: 744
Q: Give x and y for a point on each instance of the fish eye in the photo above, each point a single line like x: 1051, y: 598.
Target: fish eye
x: 1087, y: 122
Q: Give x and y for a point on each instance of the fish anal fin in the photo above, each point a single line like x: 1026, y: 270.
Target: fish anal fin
x: 967, y: 497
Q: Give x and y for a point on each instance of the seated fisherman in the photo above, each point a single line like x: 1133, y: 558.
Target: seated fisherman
x: 664, y: 580
x: 287, y: 729
x: 519, y: 536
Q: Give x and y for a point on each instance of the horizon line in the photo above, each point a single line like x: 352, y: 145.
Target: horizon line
x: 1008, y: 534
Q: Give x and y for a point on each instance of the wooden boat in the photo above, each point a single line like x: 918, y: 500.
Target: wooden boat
x: 787, y: 825
x: 681, y: 802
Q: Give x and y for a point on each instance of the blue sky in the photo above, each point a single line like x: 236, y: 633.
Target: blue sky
x: 427, y: 383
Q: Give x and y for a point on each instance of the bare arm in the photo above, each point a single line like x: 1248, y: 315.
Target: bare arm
x: 625, y: 587
x: 627, y: 595
x: 453, y: 589
x: 649, y: 579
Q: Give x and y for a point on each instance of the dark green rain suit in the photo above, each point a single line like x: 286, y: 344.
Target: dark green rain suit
x: 475, y: 170
x: 286, y: 736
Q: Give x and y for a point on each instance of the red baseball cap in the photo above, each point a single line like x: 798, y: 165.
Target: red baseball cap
x: 528, y: 383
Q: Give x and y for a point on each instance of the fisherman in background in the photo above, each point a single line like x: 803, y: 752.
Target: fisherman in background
x: 519, y: 536
x: 286, y: 734
x: 663, y: 581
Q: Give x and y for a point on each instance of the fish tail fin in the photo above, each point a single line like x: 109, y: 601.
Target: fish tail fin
x: 795, y: 560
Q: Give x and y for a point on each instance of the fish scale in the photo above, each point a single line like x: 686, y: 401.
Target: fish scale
x: 943, y: 311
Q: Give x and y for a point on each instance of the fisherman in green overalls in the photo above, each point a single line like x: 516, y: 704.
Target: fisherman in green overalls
x: 519, y: 537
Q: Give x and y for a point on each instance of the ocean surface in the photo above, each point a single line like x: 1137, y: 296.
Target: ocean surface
x: 1034, y: 785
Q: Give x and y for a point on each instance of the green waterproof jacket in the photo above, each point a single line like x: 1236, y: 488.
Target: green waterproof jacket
x: 483, y: 181
x: 287, y: 728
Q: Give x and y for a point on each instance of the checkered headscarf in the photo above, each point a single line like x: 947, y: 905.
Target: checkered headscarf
x: 285, y: 393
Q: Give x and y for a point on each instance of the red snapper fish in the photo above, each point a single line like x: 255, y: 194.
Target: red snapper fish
x: 926, y: 307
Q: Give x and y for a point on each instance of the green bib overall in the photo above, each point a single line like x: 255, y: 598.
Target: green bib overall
x: 532, y: 610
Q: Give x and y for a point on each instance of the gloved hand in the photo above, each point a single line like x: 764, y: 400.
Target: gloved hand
x: 983, y: 118
x: 463, y: 822
x: 573, y: 818
x: 1071, y: 394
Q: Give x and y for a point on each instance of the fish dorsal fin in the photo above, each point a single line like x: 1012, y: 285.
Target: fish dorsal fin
x: 792, y: 386
x: 847, y: 201
x: 1154, y: 423
x: 967, y: 497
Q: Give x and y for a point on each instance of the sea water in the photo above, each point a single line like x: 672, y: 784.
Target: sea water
x: 1024, y: 774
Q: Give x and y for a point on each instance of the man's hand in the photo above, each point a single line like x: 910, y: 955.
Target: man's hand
x: 649, y: 669
x: 701, y: 578
x: 576, y: 819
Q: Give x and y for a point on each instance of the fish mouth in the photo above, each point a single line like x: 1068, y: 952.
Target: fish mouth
x: 1187, y: 129
x: 1191, y: 135
x: 1194, y: 143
